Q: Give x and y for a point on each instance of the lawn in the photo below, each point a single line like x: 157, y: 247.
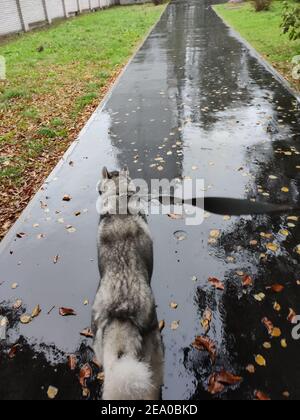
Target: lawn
x: 55, y: 78
x: 262, y: 30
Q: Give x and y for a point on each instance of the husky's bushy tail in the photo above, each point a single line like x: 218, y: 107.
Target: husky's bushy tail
x: 127, y: 376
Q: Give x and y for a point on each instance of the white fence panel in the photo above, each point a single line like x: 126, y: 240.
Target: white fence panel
x: 33, y: 11
x: 71, y: 6
x: 94, y: 4
x: 85, y: 4
x: 55, y: 8
x: 9, y: 17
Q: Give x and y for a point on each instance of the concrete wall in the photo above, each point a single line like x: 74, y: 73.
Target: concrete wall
x: 23, y: 15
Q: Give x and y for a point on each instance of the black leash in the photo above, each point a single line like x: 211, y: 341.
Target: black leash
x: 231, y: 206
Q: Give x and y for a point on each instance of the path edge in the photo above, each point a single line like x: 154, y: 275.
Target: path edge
x: 260, y: 58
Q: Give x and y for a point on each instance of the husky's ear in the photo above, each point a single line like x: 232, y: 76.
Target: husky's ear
x: 105, y: 173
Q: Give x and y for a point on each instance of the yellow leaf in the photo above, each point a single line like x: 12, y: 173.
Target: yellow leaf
x: 276, y: 332
x: 267, y: 346
x: 52, y: 392
x: 25, y: 319
x: 175, y: 325
x: 283, y: 343
x: 285, y: 189
x: 277, y: 307
x: 272, y: 247
x: 260, y: 360
x: 36, y: 311
x: 215, y: 234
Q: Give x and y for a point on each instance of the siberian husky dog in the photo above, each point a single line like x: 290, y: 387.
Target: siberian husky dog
x: 127, y: 340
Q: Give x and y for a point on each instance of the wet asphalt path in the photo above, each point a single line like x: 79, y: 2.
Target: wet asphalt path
x: 193, y: 103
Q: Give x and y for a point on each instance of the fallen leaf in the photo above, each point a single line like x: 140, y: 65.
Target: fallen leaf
x: 67, y: 198
x: 85, y: 373
x: 87, y: 333
x: 71, y: 229
x: 253, y: 243
x: 202, y: 343
x: 25, y: 319
x: 161, y: 325
x: 215, y: 387
x: 216, y: 283
x: 17, y: 305
x: 206, y: 321
x: 277, y: 288
x: 228, y: 378
x: 277, y: 307
x: 55, y: 259
x: 291, y: 316
x: 276, y: 333
x: 285, y: 189
x: 215, y: 234
x: 175, y: 216
x: 14, y: 286
x: 13, y: 351
x: 175, y: 325
x: 259, y: 297
x: 284, y: 232
x: 267, y: 346
x: 67, y: 312
x: 260, y: 360
x: 52, y: 392
x: 101, y: 377
x: 272, y: 247
x: 72, y: 362
x: 36, y: 311
x: 247, y: 281
x: 173, y: 305
x: 260, y: 396
x: 250, y: 369
x: 283, y: 343
x: 218, y: 381
x: 86, y: 392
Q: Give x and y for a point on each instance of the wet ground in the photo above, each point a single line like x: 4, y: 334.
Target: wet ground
x: 196, y: 97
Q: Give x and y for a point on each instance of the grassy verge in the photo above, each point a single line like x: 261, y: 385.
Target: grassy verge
x: 262, y: 30
x: 55, y: 79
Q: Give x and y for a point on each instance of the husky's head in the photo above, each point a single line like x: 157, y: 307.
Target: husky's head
x: 116, y: 183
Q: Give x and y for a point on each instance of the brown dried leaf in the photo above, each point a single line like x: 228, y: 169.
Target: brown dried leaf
x: 67, y: 312
x: 13, y: 351
x: 87, y: 333
x: 202, y: 343
x: 247, y: 281
x: 215, y: 387
x: 260, y: 396
x: 72, y: 362
x: 216, y: 283
x: 67, y: 198
x: 85, y: 373
x: 277, y: 288
x: 228, y: 378
x: 291, y: 316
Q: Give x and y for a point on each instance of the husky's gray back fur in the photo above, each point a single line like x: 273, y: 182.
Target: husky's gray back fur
x: 124, y: 316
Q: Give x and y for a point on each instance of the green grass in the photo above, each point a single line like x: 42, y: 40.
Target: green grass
x: 47, y: 93
x: 263, y: 31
